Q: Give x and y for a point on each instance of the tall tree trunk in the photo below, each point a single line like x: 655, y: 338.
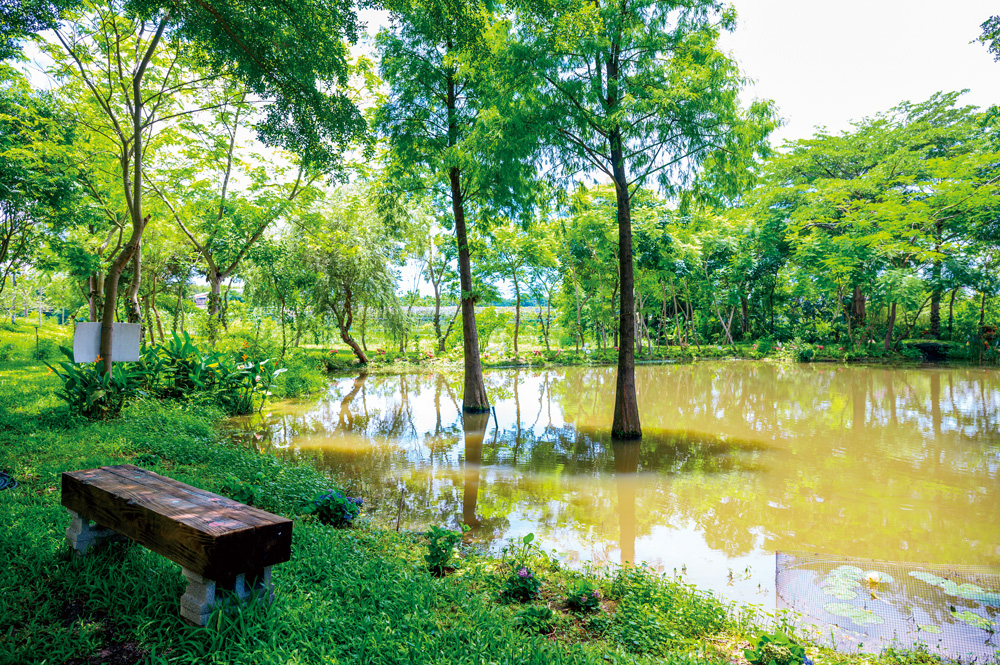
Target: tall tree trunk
x: 858, y: 307
x: 517, y: 311
x: 626, y: 419
x: 951, y: 312
x: 936, y: 300
x: 579, y: 319
x: 133, y: 199
x: 156, y: 314
x: 437, y: 318
x: 890, y: 324
x: 214, y: 304
x: 344, y: 321
x: 474, y: 399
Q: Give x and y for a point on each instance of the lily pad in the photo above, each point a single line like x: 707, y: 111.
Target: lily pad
x: 973, y: 619
x: 851, y: 572
x: 838, y: 592
x: 968, y: 591
x: 855, y: 614
x: 930, y: 628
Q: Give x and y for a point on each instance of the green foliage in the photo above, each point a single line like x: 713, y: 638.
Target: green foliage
x: 334, y: 509
x: 250, y: 492
x: 805, y: 353
x: 536, y: 619
x: 178, y: 369
x: 92, y: 393
x: 776, y: 648
x: 488, y: 321
x: 656, y: 614
x: 583, y: 596
x: 175, y: 370
x: 521, y: 585
x: 441, y: 548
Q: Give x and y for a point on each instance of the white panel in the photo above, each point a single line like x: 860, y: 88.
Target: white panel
x: 124, y: 342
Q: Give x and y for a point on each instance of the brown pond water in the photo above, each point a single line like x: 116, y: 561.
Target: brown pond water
x: 739, y: 460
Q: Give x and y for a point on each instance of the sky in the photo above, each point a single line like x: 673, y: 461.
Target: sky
x: 827, y: 63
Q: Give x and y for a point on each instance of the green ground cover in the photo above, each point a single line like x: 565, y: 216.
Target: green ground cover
x: 357, y: 595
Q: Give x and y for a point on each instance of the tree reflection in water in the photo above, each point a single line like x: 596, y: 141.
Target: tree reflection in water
x: 738, y: 458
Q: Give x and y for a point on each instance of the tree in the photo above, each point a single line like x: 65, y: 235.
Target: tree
x: 198, y: 182
x: 506, y: 251
x: 448, y: 140
x: 900, y: 194
x: 130, y: 57
x: 39, y: 196
x: 638, y: 91
x: 352, y: 257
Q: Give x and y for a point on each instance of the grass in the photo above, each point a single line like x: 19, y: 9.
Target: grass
x: 359, y: 595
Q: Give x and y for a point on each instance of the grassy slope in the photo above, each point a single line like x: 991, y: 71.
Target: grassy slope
x: 347, y: 596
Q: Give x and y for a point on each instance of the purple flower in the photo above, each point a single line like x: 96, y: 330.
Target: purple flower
x: 523, y: 573
x: 806, y: 660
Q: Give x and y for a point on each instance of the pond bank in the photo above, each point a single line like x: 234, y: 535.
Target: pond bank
x: 357, y: 595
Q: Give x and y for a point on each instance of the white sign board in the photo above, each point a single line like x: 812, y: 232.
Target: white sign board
x: 124, y: 342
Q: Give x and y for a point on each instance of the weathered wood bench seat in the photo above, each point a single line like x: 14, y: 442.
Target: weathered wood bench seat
x: 219, y: 543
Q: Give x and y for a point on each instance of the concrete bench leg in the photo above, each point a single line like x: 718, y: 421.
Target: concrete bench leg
x: 83, y: 533
x: 200, y: 596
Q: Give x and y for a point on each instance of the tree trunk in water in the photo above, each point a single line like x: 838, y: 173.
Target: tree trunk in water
x: 890, y: 324
x: 626, y: 419
x: 474, y: 399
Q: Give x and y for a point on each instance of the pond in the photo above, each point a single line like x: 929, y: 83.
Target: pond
x: 739, y: 460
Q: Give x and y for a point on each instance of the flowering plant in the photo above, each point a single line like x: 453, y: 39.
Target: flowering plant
x: 521, y: 585
x: 334, y: 509
x: 583, y: 597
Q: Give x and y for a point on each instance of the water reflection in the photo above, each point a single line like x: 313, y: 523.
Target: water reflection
x: 739, y: 459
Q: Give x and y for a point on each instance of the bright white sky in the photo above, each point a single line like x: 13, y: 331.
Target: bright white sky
x: 827, y: 63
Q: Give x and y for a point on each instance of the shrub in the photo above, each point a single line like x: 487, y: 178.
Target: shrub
x: 776, y: 648
x: 441, y: 548
x: 179, y: 369
x: 805, y: 353
x: 537, y: 619
x: 334, y: 509
x: 583, y: 596
x: 249, y: 492
x: 656, y: 614
x: 521, y: 585
x: 92, y: 393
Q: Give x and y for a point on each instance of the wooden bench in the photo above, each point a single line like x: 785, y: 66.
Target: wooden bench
x: 219, y: 543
